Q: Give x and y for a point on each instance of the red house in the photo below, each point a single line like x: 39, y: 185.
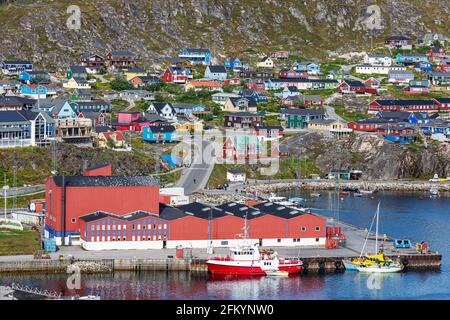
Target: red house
x: 258, y: 86
x: 355, y: 87
x: 403, y: 105
x: 176, y: 75
x: 133, y: 121
x: 372, y: 82
x: 367, y: 125
x: 291, y: 74
x: 436, y: 53
x: 396, y: 129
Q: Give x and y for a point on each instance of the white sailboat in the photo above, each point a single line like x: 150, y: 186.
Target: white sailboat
x: 376, y: 263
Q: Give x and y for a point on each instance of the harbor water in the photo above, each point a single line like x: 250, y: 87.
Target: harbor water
x: 413, y: 216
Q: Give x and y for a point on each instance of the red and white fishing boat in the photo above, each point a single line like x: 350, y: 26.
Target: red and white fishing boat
x: 249, y: 260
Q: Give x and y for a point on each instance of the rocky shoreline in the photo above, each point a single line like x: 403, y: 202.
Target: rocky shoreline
x: 263, y: 189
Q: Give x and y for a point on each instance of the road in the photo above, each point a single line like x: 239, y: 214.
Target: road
x: 195, y: 177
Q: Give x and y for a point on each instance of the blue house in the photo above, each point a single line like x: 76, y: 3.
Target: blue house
x: 196, y: 55
x: 234, y: 64
x: 34, y: 76
x: 424, y: 66
x: 401, y: 139
x: 216, y: 73
x: 405, y: 116
x: 159, y: 133
x: 436, y: 126
x: 411, y: 58
x: 253, y: 95
x: 289, y: 91
x: 10, y: 67
x: 188, y: 109
x: 34, y: 91
x: 306, y: 66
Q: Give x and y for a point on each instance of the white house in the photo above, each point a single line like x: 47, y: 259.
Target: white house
x: 265, y: 62
x: 378, y: 60
x: 372, y: 69
x: 400, y: 77
x: 222, y: 97
x: 236, y: 176
x: 163, y: 109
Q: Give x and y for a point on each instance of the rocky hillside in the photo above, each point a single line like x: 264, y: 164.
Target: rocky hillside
x: 378, y: 158
x: 156, y: 29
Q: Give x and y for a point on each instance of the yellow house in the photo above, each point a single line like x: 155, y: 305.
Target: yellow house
x: 134, y: 72
x: 76, y: 83
x: 240, y: 104
x: 327, y: 125
x: 115, y: 139
x: 187, y: 126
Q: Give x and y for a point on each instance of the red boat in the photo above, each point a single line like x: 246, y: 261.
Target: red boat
x: 249, y: 260
x: 344, y: 193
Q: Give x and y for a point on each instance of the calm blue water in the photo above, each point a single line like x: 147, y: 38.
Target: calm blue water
x: 402, y: 216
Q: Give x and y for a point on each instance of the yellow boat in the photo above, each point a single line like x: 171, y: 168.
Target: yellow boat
x: 372, y: 259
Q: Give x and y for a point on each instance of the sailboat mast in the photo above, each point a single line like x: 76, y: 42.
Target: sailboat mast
x: 376, y: 230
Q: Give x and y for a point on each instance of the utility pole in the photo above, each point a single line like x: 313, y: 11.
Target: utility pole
x: 5, y: 190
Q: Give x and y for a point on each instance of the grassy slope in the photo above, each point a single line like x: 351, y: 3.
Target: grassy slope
x: 19, y: 242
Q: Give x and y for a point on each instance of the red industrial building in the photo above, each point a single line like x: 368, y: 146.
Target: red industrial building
x: 70, y: 197
x: 101, y: 211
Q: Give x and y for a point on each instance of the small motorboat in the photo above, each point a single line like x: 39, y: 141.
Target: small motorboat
x: 316, y: 195
x: 344, y: 193
x: 358, y: 194
x: 277, y: 273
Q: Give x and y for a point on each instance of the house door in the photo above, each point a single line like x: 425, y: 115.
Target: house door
x: 164, y: 244
x: 260, y: 242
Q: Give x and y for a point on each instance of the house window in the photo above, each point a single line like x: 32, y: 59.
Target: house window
x: 303, y: 229
x: 278, y: 240
x: 317, y: 239
x: 73, y: 220
x: 317, y: 228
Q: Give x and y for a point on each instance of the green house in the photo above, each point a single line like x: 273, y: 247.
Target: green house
x: 76, y: 72
x: 299, y: 118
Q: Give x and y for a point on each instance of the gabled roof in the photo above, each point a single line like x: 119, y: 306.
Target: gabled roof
x: 17, y: 62
x: 405, y: 102
x: 13, y: 101
x: 251, y: 102
x: 217, y: 69
x: 161, y: 129
x: 394, y: 115
x: 244, y: 114
x: 397, y: 38
x: 135, y: 70
x: 160, y: 105
x: 78, y: 69
x: 167, y: 212
x: 12, y: 116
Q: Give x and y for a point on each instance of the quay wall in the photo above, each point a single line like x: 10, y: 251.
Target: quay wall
x: 312, y: 264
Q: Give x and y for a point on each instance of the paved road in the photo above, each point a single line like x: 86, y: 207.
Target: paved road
x: 331, y: 114
x: 195, y: 177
